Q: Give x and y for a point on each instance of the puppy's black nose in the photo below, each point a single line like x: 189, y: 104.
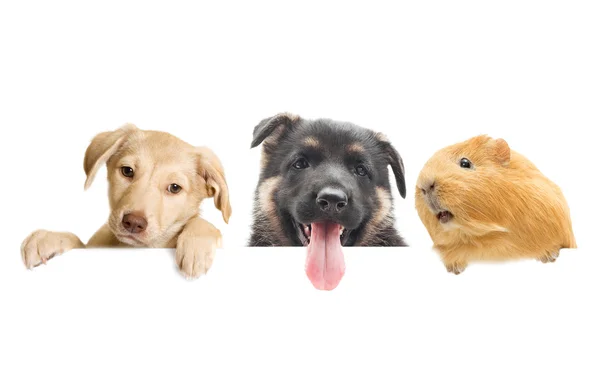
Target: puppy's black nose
x: 332, y: 199
x: 134, y: 223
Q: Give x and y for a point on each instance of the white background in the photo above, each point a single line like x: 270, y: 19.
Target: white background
x: 428, y: 74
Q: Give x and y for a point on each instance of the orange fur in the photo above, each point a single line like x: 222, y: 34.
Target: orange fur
x: 503, y: 208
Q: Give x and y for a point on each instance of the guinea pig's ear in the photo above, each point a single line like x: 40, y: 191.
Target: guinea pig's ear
x: 502, y: 151
x: 268, y: 126
x: 102, y: 147
x: 395, y: 161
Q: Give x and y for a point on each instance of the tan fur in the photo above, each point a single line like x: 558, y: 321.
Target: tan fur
x: 266, y: 204
x: 273, y: 138
x: 382, y: 137
x: 504, y: 208
x: 356, y: 148
x: 158, y: 160
x: 381, y: 217
x: 293, y: 117
x: 311, y: 141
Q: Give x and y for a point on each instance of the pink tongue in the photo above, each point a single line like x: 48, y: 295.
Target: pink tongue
x: 324, y: 260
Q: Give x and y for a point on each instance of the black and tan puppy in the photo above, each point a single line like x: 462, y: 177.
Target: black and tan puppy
x: 324, y: 184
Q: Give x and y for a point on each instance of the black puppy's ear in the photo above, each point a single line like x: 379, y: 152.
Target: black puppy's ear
x: 267, y: 126
x: 395, y: 162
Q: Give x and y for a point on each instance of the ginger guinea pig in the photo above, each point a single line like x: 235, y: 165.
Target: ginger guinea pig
x: 481, y: 201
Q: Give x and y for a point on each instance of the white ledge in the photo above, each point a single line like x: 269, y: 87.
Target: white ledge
x: 397, y: 314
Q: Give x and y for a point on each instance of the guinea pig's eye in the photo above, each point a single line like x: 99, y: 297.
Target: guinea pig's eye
x: 300, y: 164
x: 465, y: 163
x: 127, y: 171
x: 361, y: 170
x: 174, y: 188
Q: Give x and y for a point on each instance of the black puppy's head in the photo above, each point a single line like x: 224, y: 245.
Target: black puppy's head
x: 324, y: 170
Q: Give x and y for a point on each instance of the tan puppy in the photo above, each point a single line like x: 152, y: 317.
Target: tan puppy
x: 156, y: 184
x: 482, y: 201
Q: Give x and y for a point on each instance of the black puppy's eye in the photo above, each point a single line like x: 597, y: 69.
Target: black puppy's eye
x: 300, y: 164
x: 361, y: 170
x: 465, y: 163
x: 127, y: 171
x: 174, y: 188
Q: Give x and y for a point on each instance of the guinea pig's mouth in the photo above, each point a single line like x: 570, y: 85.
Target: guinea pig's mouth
x: 305, y: 232
x: 444, y: 216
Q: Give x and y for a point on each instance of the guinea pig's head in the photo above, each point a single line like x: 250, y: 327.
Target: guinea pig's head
x: 461, y: 186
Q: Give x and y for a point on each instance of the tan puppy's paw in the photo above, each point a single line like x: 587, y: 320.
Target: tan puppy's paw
x: 42, y: 245
x: 456, y: 267
x: 195, y: 254
x: 549, y: 257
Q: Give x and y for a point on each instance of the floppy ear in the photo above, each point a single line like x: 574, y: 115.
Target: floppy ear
x: 211, y: 169
x: 268, y: 125
x: 102, y: 147
x: 395, y: 162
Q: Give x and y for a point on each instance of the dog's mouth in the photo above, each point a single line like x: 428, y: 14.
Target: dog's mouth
x: 305, y: 231
x: 444, y: 216
x: 129, y: 239
x: 323, y: 240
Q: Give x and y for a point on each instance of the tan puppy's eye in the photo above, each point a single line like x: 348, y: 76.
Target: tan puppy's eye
x: 127, y: 171
x: 174, y: 188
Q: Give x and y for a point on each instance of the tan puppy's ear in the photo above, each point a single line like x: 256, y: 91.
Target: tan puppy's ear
x: 211, y: 169
x: 102, y: 147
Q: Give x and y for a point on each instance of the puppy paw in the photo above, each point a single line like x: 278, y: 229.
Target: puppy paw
x: 456, y: 267
x: 42, y: 245
x: 549, y: 257
x: 194, y: 255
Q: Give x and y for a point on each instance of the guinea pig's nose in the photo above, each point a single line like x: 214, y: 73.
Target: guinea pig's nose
x: 332, y: 199
x: 429, y: 189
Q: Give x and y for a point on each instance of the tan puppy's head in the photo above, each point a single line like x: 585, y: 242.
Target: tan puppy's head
x: 156, y: 183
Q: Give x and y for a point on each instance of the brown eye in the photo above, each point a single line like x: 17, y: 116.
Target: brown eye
x: 174, y: 188
x: 127, y: 171
x: 361, y: 170
x: 300, y: 164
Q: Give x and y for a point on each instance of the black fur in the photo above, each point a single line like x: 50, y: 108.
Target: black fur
x: 331, y: 175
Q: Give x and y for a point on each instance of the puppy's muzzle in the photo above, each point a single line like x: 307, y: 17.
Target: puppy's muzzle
x: 332, y: 200
x: 134, y: 223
